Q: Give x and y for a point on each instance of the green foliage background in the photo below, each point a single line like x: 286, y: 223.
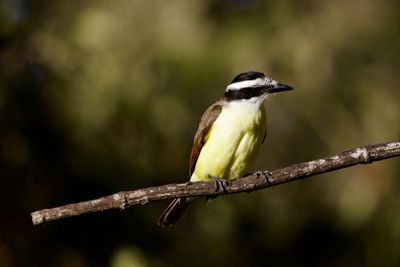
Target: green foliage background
x: 102, y: 96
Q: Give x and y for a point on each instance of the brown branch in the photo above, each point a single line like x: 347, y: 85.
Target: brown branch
x: 127, y: 199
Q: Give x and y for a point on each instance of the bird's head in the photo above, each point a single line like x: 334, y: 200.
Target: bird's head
x: 252, y: 84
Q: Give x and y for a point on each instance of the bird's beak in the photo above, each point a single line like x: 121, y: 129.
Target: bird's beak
x: 278, y: 87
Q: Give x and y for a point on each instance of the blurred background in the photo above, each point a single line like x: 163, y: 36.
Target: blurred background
x: 98, y: 97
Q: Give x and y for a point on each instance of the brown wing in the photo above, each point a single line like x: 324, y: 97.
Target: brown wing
x: 206, y: 121
x: 265, y: 135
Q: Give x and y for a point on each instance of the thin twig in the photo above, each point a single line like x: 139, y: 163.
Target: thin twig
x: 252, y: 182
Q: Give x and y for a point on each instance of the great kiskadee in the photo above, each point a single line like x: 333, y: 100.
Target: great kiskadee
x: 230, y: 133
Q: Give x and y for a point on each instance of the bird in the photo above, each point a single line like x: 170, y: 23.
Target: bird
x: 229, y: 135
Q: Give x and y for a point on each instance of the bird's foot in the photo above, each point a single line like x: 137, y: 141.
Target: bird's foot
x: 220, y: 185
x: 266, y: 175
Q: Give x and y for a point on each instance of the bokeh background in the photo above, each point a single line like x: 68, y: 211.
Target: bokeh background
x: 102, y: 96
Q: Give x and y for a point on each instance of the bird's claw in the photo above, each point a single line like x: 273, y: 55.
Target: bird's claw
x: 220, y: 184
x: 266, y: 175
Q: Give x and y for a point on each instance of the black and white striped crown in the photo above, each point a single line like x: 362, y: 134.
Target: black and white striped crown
x: 247, y: 80
x: 252, y: 84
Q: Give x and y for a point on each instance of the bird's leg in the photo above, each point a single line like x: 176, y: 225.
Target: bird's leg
x: 220, y: 184
x: 266, y: 175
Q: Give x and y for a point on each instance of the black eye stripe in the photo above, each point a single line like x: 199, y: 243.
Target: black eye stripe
x: 244, y: 93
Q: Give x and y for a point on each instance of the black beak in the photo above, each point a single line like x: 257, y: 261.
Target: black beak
x: 279, y: 87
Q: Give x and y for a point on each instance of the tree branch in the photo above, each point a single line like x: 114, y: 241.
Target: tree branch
x: 252, y: 182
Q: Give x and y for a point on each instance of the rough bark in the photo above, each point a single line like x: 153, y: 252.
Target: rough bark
x: 252, y: 182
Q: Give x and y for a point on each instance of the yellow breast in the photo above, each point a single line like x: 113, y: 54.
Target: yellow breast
x: 232, y: 142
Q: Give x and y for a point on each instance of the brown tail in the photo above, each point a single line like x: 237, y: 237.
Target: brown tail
x: 174, y: 211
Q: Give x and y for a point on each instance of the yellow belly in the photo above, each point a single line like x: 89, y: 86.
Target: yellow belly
x: 232, y: 142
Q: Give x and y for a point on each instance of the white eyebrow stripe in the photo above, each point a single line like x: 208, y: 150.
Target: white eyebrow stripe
x: 244, y: 84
